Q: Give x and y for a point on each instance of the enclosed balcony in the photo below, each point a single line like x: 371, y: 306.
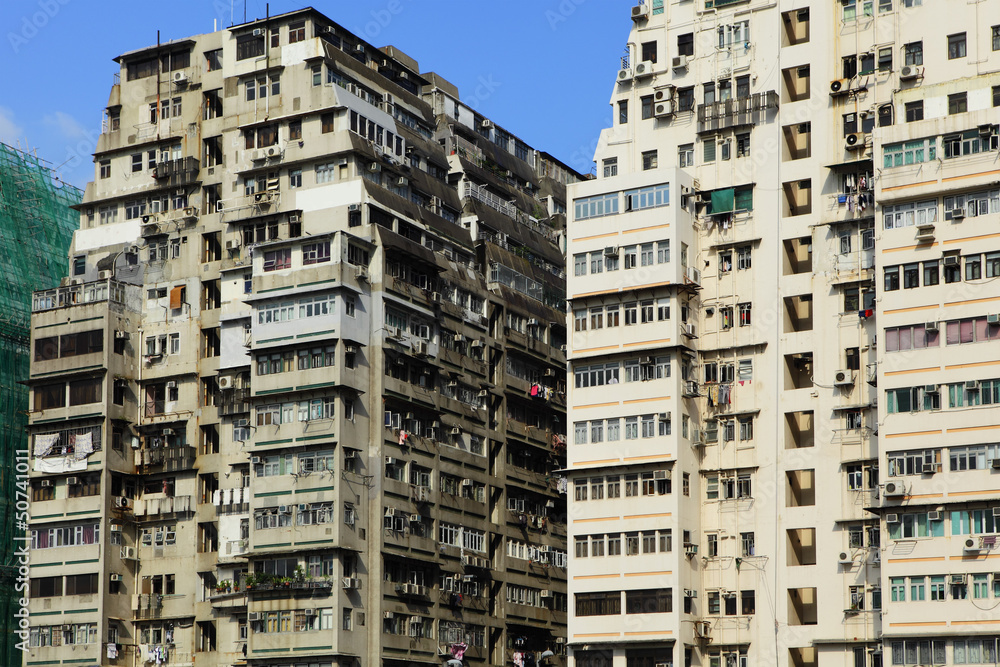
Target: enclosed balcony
x: 736, y: 112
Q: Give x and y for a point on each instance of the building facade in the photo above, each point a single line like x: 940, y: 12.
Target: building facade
x: 36, y: 225
x: 786, y: 266
x: 320, y: 411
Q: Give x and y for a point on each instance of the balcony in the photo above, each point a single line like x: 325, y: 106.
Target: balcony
x: 176, y: 172
x: 155, y: 507
x: 736, y: 112
x: 168, y: 458
x: 80, y: 294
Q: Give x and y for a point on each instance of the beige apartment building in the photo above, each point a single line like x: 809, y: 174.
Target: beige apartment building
x: 301, y: 402
x: 787, y: 267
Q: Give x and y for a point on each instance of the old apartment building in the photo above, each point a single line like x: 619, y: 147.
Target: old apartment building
x: 787, y: 266
x: 302, y: 400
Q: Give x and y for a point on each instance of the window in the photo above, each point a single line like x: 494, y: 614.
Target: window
x: 685, y: 44
x: 649, y: 51
x: 647, y: 106
x: 610, y: 167
x: 909, y: 152
x: 744, y: 310
x: 296, y: 31
x: 743, y: 144
x: 914, y: 111
x: 105, y: 169
x: 249, y: 45
x: 622, y: 112
x: 958, y: 103
x: 709, y: 150
x: 996, y: 96
x: 649, y: 160
x: 599, y: 604
x: 995, y: 30
x: 651, y: 601
x: 885, y: 59
x: 275, y: 260
x: 685, y: 155
x: 913, y: 54
x: 956, y: 46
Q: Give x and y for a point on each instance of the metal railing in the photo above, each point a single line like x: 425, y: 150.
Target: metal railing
x: 78, y: 295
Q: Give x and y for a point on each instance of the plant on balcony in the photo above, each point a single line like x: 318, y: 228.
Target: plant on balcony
x: 300, y: 574
x: 224, y: 586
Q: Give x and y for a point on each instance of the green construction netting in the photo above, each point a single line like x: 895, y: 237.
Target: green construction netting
x: 36, y: 226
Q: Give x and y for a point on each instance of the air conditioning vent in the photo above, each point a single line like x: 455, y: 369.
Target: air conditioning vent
x: 843, y: 378
x: 840, y: 86
x: 624, y: 75
x: 845, y: 558
x: 908, y: 73
x: 929, y: 469
x: 644, y: 69
x: 664, y: 109
x: 893, y: 489
x: 957, y: 213
x: 640, y: 12
x: 892, y: 518
x: 971, y: 544
x: 854, y: 141
x: 935, y: 515
x: 679, y: 62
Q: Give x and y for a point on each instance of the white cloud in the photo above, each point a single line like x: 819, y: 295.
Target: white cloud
x: 10, y: 132
x: 65, y: 124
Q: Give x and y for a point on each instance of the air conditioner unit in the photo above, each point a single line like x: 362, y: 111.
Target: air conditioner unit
x: 840, y: 86
x: 925, y: 232
x: 952, y: 260
x: 70, y: 481
x: 640, y: 12
x: 403, y: 181
x: 456, y: 431
x: 253, y: 616
x: 679, y: 62
x: 908, y: 72
x: 255, y: 461
x: 702, y: 629
x: 466, y: 482
x: 483, y: 393
x: 995, y: 464
x: 931, y: 389
x: 122, y: 335
x: 893, y: 489
x: 935, y: 515
x: 892, y: 518
x: 225, y: 381
x: 971, y: 544
x: 361, y: 273
x: 545, y: 593
x: 487, y: 124
x: 845, y: 558
x: 351, y: 583
x: 664, y: 108
x: 180, y: 77
x: 459, y: 338
x: 693, y: 275
x: 993, y: 318
x: 476, y: 344
x: 168, y: 431
x: 854, y: 141
x: 689, y: 329
x: 122, y: 503
x: 415, y: 518
x: 660, y: 475
x: 624, y: 75
x: 350, y: 454
x: 843, y: 378
x: 644, y: 69
x: 690, y: 593
x: 972, y: 385
x: 128, y: 553
x: 611, y: 251
x: 114, y: 578
x: 929, y: 469
x: 149, y: 219
x: 258, y: 32
x: 172, y: 384
x: 996, y: 511
x: 957, y: 214
x: 46, y: 483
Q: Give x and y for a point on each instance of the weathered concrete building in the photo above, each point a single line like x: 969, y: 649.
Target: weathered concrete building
x: 301, y: 401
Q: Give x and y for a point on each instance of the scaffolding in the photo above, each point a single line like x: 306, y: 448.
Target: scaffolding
x: 36, y: 226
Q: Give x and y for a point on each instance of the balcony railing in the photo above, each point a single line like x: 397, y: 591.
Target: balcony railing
x: 473, y: 191
x: 78, y: 295
x: 736, y: 112
x: 176, y: 172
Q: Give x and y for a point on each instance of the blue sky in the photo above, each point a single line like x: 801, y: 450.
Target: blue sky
x: 543, y: 69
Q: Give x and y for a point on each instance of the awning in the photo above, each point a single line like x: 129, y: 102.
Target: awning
x: 723, y: 201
